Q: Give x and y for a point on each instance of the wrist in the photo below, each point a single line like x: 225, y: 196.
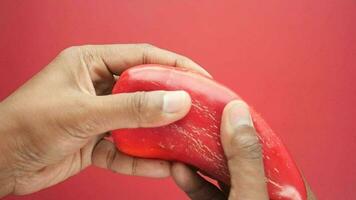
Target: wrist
x: 7, y: 181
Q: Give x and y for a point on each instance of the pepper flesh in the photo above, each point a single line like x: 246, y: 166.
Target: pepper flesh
x: 195, y: 139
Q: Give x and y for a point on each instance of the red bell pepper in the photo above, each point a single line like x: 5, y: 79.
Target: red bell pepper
x: 195, y: 139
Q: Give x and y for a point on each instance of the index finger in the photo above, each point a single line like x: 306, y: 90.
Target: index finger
x: 119, y: 57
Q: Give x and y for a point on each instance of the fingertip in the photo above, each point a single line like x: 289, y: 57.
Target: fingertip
x: 175, y: 106
x: 236, y: 114
x: 238, y: 136
x: 183, y: 176
x: 243, y: 152
x: 201, y: 70
x: 240, y: 115
x: 176, y: 102
x: 234, y: 102
x: 207, y: 74
x: 140, y: 109
x: 180, y: 170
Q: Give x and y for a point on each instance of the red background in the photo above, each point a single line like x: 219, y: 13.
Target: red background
x: 295, y: 61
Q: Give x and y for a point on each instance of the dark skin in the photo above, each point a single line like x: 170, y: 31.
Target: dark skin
x: 243, y: 152
x: 54, y: 126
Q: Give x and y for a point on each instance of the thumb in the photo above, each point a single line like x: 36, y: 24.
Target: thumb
x: 134, y: 110
x: 243, y: 152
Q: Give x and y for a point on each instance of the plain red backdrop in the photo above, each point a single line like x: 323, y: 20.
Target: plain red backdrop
x: 294, y: 61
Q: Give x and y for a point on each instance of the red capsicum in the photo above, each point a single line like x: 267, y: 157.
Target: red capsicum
x: 195, y: 139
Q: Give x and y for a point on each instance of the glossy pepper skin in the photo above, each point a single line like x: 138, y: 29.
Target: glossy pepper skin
x: 195, y: 139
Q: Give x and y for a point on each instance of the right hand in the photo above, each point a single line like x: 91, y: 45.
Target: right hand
x: 243, y: 152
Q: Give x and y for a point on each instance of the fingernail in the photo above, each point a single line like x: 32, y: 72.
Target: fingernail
x: 175, y: 101
x: 240, y: 114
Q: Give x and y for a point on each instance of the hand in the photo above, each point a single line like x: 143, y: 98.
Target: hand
x: 243, y: 152
x: 54, y: 126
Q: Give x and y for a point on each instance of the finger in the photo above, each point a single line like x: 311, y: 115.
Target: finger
x: 116, y: 58
x: 104, y: 61
x: 105, y: 155
x: 193, y: 184
x: 130, y: 110
x: 243, y: 152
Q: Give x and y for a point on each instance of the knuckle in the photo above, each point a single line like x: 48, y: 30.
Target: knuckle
x: 67, y: 57
x: 88, y: 127
x: 146, y: 50
x: 139, y: 103
x: 246, y: 144
x: 80, y: 122
x: 86, y: 46
x: 82, y: 105
x: 146, y: 46
x: 70, y: 51
x: 89, y: 57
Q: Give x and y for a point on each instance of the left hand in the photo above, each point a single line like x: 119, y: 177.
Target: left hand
x: 53, y: 126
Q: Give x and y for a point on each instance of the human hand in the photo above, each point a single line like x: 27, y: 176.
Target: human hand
x: 243, y: 152
x: 53, y: 126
